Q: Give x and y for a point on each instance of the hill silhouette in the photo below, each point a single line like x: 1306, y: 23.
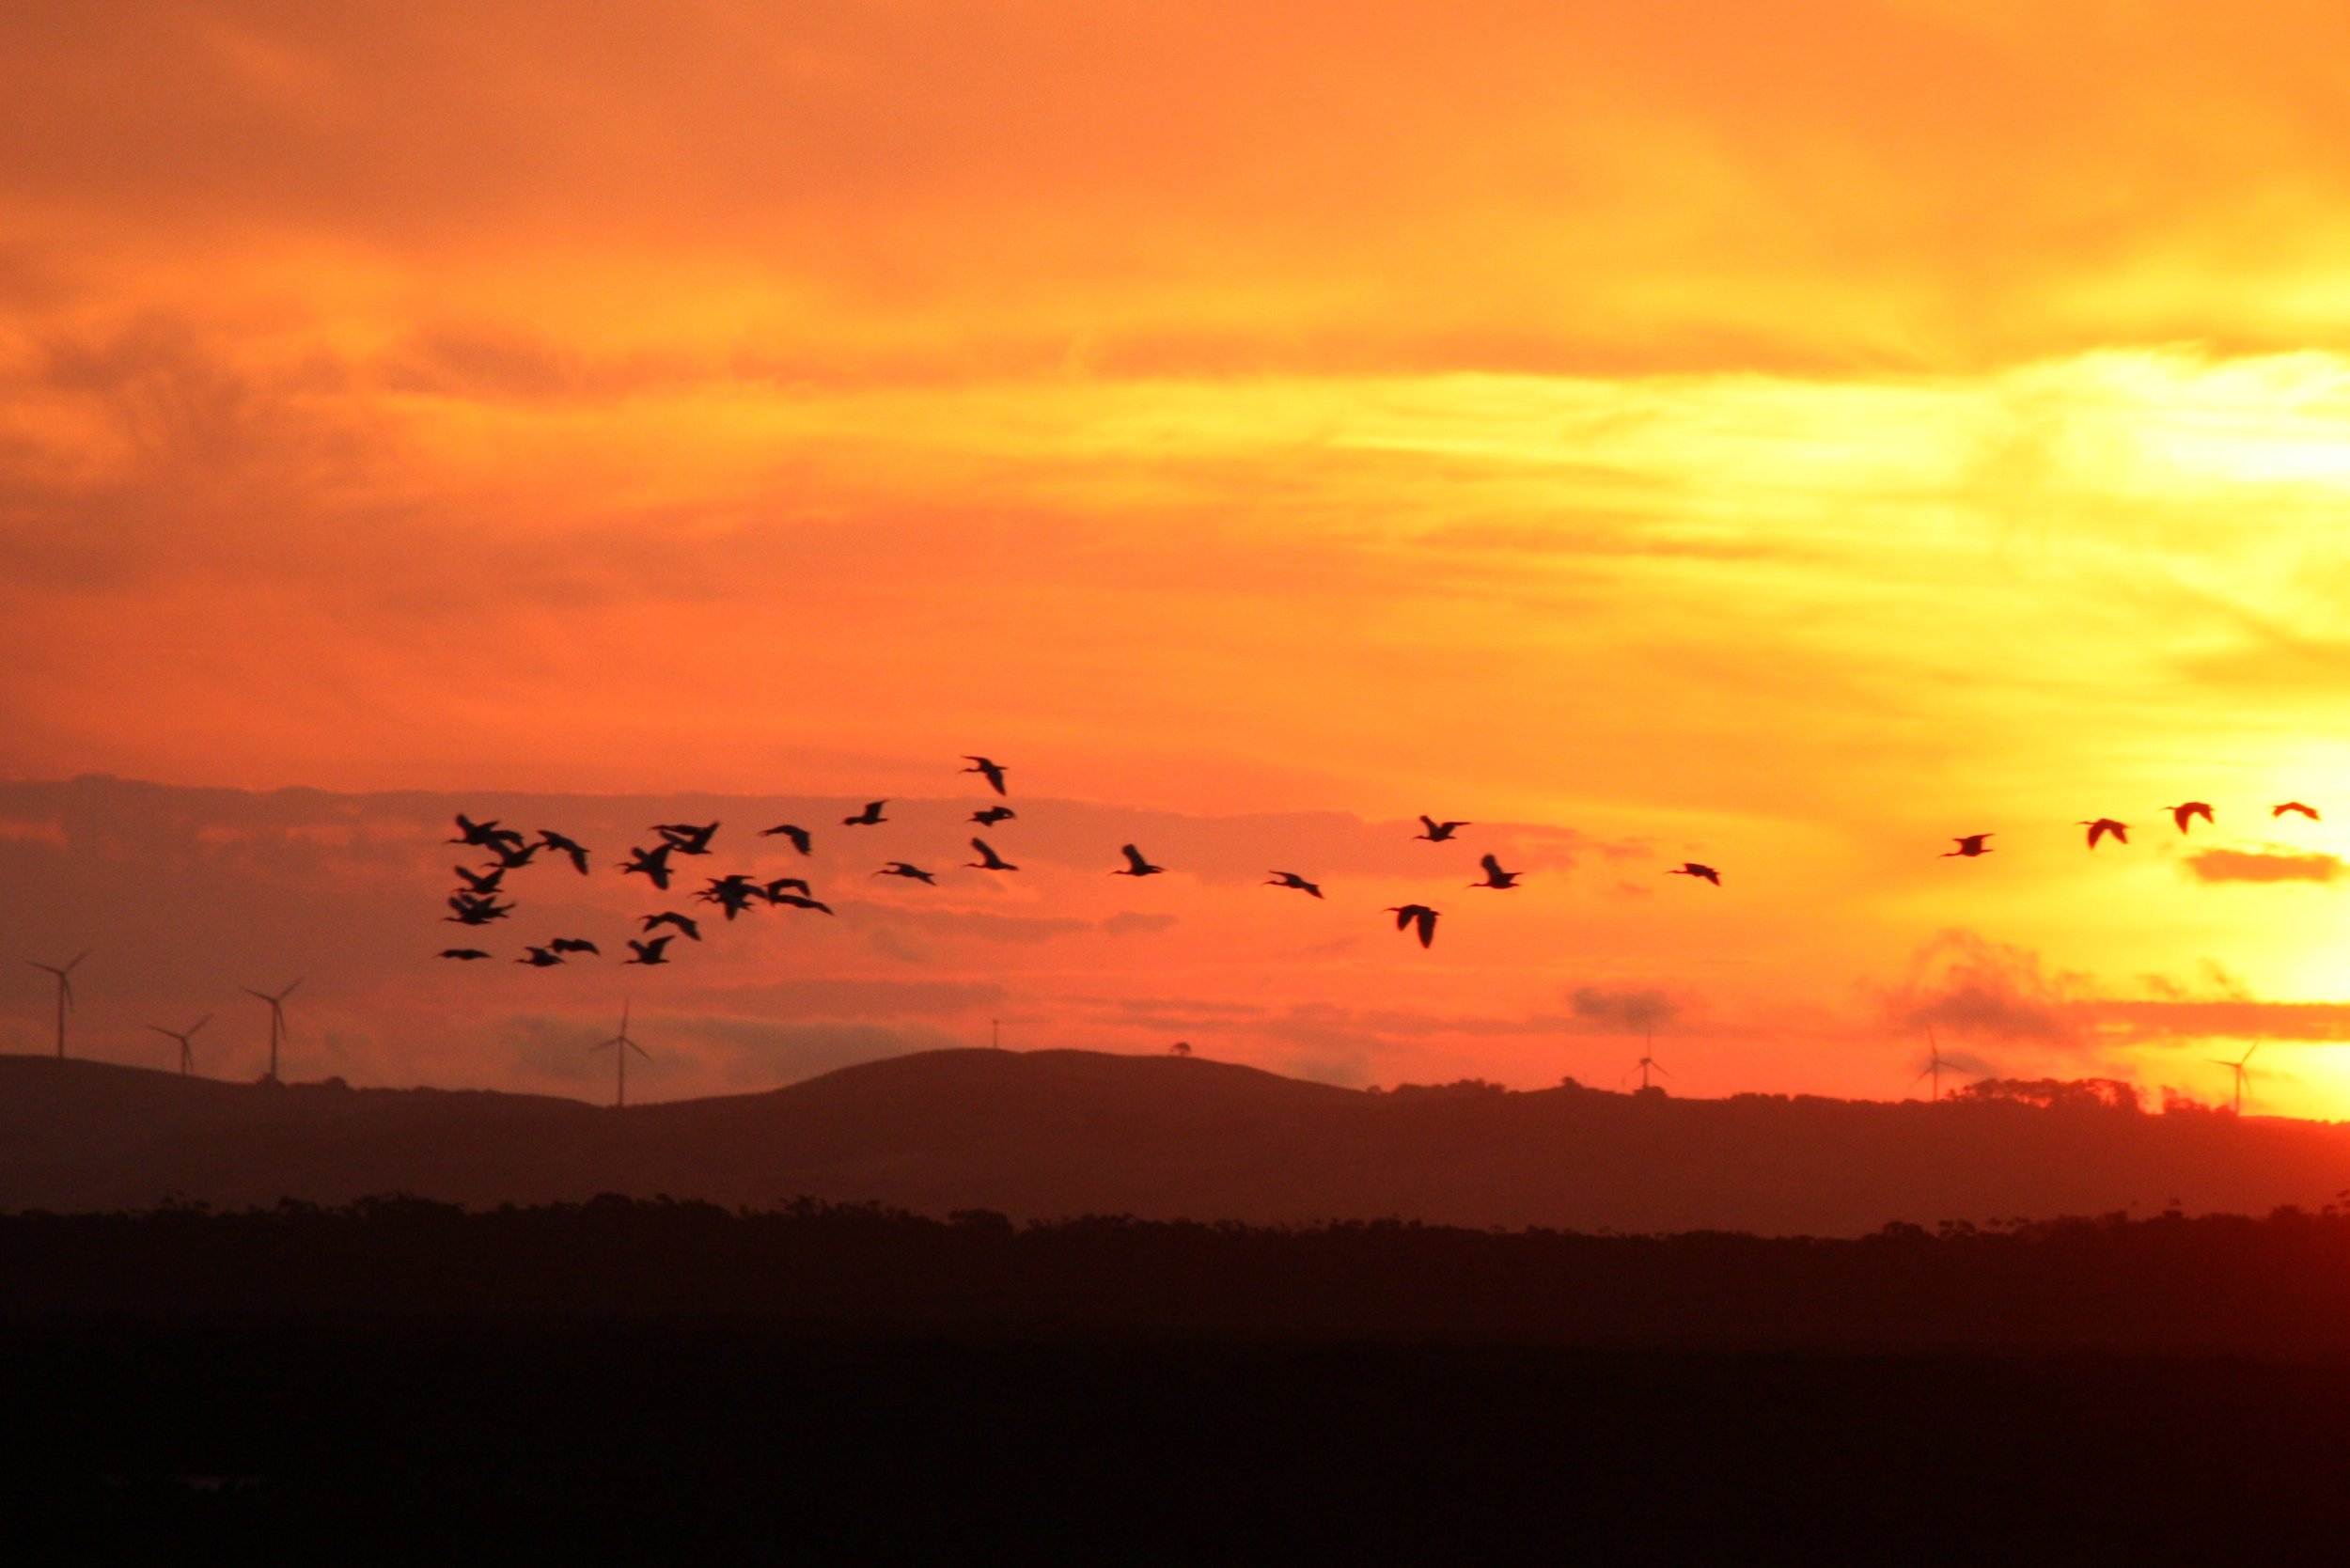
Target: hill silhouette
x: 1053, y: 1134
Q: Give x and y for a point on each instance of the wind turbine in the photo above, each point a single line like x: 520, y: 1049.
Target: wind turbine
x: 276, y: 1020
x: 622, y: 1046
x: 2242, y: 1077
x: 64, y: 991
x: 1934, y: 1064
x: 187, y: 1052
x: 1648, y: 1043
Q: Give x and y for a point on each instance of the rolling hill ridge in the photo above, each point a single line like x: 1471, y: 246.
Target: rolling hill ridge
x: 1053, y: 1134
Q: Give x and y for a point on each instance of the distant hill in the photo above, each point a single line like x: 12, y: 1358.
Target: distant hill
x: 1051, y: 1134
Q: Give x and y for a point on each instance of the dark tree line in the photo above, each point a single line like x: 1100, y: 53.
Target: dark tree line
x: 2222, y: 1284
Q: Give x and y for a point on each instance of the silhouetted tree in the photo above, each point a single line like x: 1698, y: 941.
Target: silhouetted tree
x: 2056, y: 1093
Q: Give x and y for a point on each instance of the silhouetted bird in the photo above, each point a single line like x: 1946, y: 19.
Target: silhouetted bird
x: 800, y: 838
x: 487, y: 835
x: 2103, y: 825
x: 1495, y: 876
x: 472, y: 911
x: 654, y: 863
x: 1970, y: 846
x: 1410, y: 915
x: 2188, y: 812
x: 688, y: 837
x: 548, y: 838
x: 481, y: 881
x: 995, y: 771
x: 2309, y: 811
x: 649, y: 953
x: 992, y: 815
x: 462, y: 952
x: 1438, y: 832
x: 732, y: 893
x: 1136, y: 863
x: 515, y: 856
x: 575, y: 945
x: 914, y: 874
x: 1690, y: 868
x: 541, y: 958
x: 869, y: 817
x: 671, y: 917
x: 1291, y: 879
x: 776, y: 889
x: 989, y: 860
x: 793, y: 901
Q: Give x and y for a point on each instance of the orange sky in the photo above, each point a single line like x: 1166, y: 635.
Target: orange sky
x: 1786, y: 436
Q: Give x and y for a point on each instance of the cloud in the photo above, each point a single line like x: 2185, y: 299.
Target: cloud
x: 1732, y: 183
x: 2234, y: 1018
x: 856, y: 999
x: 1959, y: 982
x: 988, y: 926
x: 2225, y: 865
x: 1623, y: 1010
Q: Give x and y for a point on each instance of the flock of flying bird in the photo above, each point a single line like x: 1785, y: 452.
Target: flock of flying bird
x: 477, y: 902
x: 480, y: 901
x: 2183, y: 814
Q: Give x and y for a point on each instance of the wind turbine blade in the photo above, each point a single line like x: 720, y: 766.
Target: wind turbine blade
x: 291, y: 989
x: 78, y: 957
x: 167, y: 1034
x: 262, y: 994
x: 65, y: 987
x: 1922, y: 1078
x: 640, y: 1050
x: 2248, y: 1056
x: 199, y: 1022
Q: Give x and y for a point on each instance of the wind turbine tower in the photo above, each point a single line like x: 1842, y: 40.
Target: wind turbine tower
x: 276, y: 1020
x: 621, y: 1045
x: 64, y: 991
x: 187, y: 1051
x: 1648, y: 1061
x: 1934, y: 1064
x: 2239, y: 1069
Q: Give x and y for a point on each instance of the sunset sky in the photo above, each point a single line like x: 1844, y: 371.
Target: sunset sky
x: 1780, y: 436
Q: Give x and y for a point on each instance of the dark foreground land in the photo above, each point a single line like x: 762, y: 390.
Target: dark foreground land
x: 661, y: 1382
x: 716, y: 1440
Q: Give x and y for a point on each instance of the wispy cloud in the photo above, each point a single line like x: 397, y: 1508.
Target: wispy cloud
x: 2266, y: 865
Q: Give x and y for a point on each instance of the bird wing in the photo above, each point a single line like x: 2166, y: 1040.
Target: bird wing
x: 1493, y: 867
x: 1134, y: 858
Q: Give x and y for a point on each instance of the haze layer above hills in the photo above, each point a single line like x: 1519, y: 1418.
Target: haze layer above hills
x: 1053, y: 1134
